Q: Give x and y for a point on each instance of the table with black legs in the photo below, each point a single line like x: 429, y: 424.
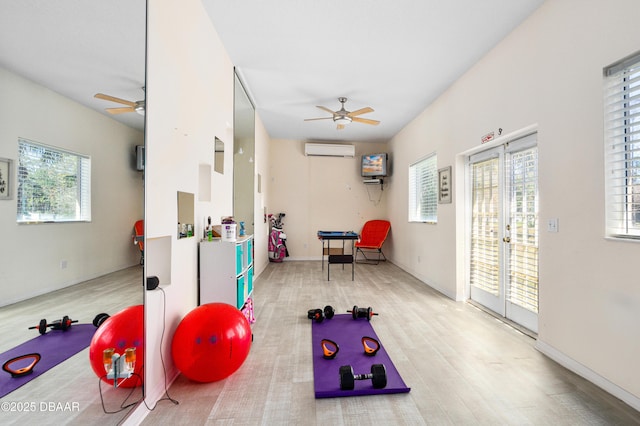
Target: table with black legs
x: 342, y: 257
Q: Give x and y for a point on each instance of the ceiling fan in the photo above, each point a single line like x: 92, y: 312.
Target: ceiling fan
x: 137, y: 106
x: 343, y: 117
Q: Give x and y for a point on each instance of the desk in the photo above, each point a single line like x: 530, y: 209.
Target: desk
x: 332, y: 257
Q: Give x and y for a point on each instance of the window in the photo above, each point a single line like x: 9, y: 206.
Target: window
x: 53, y: 185
x: 423, y: 190
x: 622, y: 148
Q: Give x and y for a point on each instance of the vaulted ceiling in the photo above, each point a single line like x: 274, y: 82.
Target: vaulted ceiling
x: 292, y: 55
x: 393, y: 56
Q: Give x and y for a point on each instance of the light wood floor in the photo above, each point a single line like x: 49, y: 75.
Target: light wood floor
x: 464, y: 366
x: 73, y: 381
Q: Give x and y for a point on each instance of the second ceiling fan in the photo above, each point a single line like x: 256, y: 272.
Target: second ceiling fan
x: 343, y: 117
x: 131, y: 106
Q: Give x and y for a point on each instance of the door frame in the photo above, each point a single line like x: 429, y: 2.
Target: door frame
x: 462, y: 195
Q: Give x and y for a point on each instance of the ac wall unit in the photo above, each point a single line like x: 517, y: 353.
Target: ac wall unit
x: 329, y: 150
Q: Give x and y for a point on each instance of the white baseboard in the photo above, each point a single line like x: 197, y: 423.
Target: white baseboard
x: 581, y: 370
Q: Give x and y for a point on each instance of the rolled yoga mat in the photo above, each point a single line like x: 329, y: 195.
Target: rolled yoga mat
x: 347, y: 333
x: 54, y: 347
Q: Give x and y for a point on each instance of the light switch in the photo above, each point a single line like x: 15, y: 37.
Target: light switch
x: 552, y: 225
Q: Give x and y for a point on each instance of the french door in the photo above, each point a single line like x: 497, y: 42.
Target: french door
x: 503, y: 260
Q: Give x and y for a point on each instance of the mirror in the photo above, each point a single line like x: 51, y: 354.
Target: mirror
x: 185, y: 215
x: 53, y: 60
x: 243, y: 157
x: 218, y: 156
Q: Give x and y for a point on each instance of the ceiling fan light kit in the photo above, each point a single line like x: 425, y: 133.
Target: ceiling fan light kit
x: 342, y: 117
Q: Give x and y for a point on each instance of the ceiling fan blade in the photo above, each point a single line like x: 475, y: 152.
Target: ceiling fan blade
x: 360, y: 111
x: 120, y: 110
x: 323, y: 118
x: 326, y: 109
x: 365, y: 121
x: 114, y: 99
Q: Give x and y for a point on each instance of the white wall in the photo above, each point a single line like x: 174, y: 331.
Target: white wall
x: 190, y: 82
x: 321, y: 193
x: 547, y: 74
x: 31, y: 255
x: 261, y: 226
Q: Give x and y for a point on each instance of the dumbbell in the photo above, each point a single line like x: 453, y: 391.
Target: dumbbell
x: 318, y: 315
x: 64, y: 324
x: 378, y: 377
x: 362, y: 313
x: 99, y: 319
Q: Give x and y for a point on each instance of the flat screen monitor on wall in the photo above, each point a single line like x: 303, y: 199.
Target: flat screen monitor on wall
x: 374, y: 165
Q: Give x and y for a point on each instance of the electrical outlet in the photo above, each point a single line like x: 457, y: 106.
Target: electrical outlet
x: 63, y: 264
x: 552, y: 225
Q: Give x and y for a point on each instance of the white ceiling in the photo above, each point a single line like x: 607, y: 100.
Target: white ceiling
x: 394, y: 56
x: 78, y: 48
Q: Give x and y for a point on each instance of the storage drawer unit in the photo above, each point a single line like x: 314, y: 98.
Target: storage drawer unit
x: 226, y: 271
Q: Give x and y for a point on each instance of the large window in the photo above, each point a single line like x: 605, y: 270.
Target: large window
x: 53, y: 185
x: 622, y: 147
x: 423, y: 190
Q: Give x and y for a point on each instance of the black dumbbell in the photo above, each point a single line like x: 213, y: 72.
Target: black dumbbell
x: 318, y: 315
x: 42, y: 326
x: 99, y: 319
x: 64, y: 324
x: 362, y: 313
x: 378, y: 377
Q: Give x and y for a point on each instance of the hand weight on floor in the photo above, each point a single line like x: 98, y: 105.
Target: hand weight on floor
x: 378, y: 377
x: 318, y: 315
x: 99, y: 319
x: 64, y: 324
x: 362, y: 313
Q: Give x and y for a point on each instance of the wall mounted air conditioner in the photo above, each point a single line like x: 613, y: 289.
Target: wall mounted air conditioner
x: 329, y: 150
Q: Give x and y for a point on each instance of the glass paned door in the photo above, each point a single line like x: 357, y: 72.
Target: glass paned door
x: 503, y: 269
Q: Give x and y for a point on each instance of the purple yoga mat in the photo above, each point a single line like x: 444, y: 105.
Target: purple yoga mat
x: 347, y: 333
x: 54, y: 347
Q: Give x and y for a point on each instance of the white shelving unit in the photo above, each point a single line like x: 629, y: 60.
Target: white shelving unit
x: 226, y: 271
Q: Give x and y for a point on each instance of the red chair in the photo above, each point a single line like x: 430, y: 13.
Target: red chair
x: 138, y: 238
x: 373, y: 235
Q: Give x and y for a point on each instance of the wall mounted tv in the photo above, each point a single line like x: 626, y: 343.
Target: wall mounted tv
x: 374, y: 165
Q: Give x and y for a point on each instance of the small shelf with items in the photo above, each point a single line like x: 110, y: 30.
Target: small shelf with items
x: 226, y: 271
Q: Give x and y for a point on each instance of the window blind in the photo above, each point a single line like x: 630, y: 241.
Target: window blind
x: 622, y: 148
x: 54, y: 185
x: 423, y: 190
x: 522, y: 267
x: 485, y: 217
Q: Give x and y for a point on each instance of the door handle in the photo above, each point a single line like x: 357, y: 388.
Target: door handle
x: 507, y: 237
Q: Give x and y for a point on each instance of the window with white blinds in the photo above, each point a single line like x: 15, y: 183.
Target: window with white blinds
x: 54, y: 185
x: 622, y: 148
x: 423, y: 190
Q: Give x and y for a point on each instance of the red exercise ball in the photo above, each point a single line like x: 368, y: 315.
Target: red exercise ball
x: 211, y: 342
x: 120, y: 331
